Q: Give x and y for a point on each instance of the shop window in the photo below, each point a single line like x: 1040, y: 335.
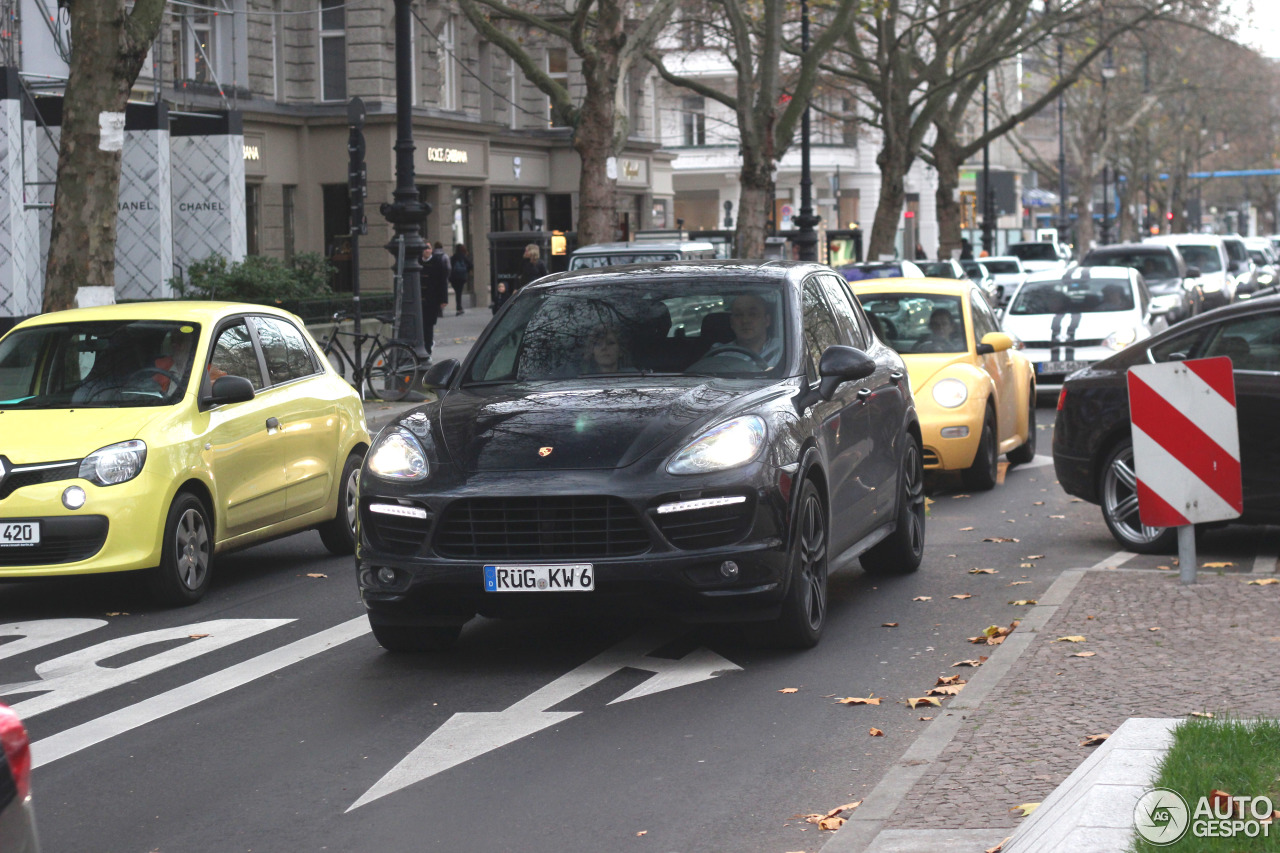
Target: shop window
x: 333, y: 50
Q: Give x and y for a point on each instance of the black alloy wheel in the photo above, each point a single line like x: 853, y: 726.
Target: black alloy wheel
x: 804, y: 610
x: 900, y: 552
x: 186, y: 553
x: 1025, y: 452
x: 1119, y: 492
x: 982, y: 474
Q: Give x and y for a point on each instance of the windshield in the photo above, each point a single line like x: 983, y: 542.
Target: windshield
x: 1034, y: 251
x: 666, y: 325
x: 582, y: 262
x: 1074, y: 296
x: 104, y: 364
x: 917, y: 322
x: 1001, y: 267
x: 937, y: 269
x: 1206, y: 258
x: 1150, y: 264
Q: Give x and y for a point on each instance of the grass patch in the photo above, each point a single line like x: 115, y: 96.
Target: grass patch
x: 1239, y: 757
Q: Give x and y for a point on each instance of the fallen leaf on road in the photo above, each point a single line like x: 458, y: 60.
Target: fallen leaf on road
x: 1038, y: 503
x: 874, y: 732
x: 923, y: 598
x: 1264, y: 582
x: 1208, y: 715
x: 196, y: 636
x: 971, y: 661
x: 1217, y: 565
x: 642, y: 833
x: 998, y: 847
x: 1024, y: 601
x: 983, y: 572
x: 1025, y: 808
x: 1057, y: 516
x: 1165, y: 568
x: 1082, y: 655
x: 923, y: 700
x: 316, y: 575
x: 926, y: 718
x: 789, y: 690
x: 1026, y: 565
x: 955, y: 497
x: 1153, y: 629
x: 1034, y: 557
x: 962, y: 596
x: 888, y: 624
x: 831, y: 823
x: 1018, y: 583
x: 1094, y: 740
x: 999, y: 539
x: 965, y: 529
x: 117, y: 613
x: 1074, y: 638
x: 856, y: 700
x: 950, y: 679
x: 946, y: 690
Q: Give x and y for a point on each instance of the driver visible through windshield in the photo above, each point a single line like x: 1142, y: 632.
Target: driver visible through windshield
x: 696, y: 328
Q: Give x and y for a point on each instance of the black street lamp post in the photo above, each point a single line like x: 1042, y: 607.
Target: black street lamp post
x: 806, y: 238
x: 407, y: 213
x: 1064, y: 219
x: 988, y: 201
x: 1108, y: 71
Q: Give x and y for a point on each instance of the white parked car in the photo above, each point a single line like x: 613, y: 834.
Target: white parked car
x: 1040, y: 256
x: 1067, y: 321
x: 1008, y: 273
x: 1208, y: 254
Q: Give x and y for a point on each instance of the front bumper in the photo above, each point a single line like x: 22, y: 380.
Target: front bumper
x: 118, y: 528
x: 1047, y: 363
x: 950, y: 436
x: 648, y: 562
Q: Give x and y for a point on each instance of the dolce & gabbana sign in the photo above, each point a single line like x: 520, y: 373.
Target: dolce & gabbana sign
x: 447, y: 155
x: 451, y: 158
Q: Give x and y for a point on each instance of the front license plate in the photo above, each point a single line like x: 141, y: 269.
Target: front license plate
x: 1060, y: 366
x: 19, y: 533
x: 579, y: 577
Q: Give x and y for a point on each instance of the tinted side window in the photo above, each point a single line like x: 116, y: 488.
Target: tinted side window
x: 1253, y: 343
x: 234, y: 355
x: 983, y: 321
x: 287, y: 354
x: 820, y: 328
x: 846, y: 313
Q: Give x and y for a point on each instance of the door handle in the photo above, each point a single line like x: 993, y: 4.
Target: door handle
x: 272, y: 423
x: 896, y: 376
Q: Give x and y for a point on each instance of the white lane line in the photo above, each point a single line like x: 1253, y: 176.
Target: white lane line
x: 1116, y: 559
x: 1264, y: 563
x: 148, y: 710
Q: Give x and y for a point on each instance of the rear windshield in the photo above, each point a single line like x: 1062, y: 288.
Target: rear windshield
x: 1074, y: 296
x: 1207, y: 258
x: 1150, y: 264
x: 582, y: 262
x: 1034, y: 251
x: 937, y: 269
x: 1001, y: 267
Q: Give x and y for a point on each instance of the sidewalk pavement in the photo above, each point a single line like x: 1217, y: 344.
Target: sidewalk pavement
x: 1160, y: 649
x: 454, y: 337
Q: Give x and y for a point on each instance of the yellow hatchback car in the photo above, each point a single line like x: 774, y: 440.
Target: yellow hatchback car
x: 975, y: 394
x: 152, y: 436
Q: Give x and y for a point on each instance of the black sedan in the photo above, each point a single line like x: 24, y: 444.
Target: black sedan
x: 1092, y: 447
x: 704, y: 439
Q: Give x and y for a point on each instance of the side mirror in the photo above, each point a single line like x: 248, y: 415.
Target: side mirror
x: 994, y: 342
x: 229, y: 389
x: 840, y: 364
x: 440, y: 374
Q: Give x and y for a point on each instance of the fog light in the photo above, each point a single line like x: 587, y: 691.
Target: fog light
x: 955, y: 432
x: 386, y: 575
x: 73, y: 497
x: 729, y: 569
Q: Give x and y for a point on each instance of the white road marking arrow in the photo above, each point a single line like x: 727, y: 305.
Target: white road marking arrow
x: 468, y: 735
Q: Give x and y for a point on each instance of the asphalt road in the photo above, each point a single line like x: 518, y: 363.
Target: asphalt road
x: 266, y: 718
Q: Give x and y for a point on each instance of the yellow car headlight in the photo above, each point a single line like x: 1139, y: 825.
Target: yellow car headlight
x: 950, y: 393
x: 114, y: 464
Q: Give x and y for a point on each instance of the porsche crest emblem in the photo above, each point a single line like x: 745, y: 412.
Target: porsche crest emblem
x: 544, y: 451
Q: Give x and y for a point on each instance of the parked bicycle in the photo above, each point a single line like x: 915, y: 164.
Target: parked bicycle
x: 391, y: 368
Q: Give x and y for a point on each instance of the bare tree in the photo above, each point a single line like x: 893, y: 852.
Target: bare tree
x: 768, y: 97
x: 108, y: 45
x: 608, y: 44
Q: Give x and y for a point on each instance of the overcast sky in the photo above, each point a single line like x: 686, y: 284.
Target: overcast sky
x: 1260, y: 24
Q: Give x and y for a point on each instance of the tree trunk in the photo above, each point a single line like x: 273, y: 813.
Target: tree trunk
x: 755, y: 202
x: 1084, y: 221
x: 597, y: 200
x: 946, y: 198
x: 108, y: 47
x: 893, y: 163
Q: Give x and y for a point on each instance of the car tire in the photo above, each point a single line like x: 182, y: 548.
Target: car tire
x: 901, y: 551
x: 339, y: 534
x: 186, y: 554
x: 804, y: 610
x: 981, y: 475
x: 415, y: 638
x: 1117, y: 489
x: 1025, y: 452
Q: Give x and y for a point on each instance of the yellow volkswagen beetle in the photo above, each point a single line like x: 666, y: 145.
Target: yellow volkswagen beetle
x: 975, y: 394
x: 152, y: 436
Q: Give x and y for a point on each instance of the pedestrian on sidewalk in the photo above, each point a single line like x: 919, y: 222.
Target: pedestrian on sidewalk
x: 533, y: 267
x: 435, y: 292
x: 459, y: 274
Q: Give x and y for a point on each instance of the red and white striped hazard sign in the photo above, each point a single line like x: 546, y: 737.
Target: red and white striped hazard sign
x: 1186, y: 447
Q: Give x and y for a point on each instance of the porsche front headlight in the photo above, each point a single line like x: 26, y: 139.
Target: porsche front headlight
x: 950, y: 393
x: 399, y: 455
x: 114, y: 464
x: 725, y: 445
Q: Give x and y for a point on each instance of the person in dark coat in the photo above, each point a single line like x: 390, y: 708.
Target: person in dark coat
x: 966, y: 249
x: 435, y: 292
x: 533, y: 267
x: 459, y: 274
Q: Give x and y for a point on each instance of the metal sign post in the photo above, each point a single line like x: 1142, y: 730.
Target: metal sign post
x: 357, y: 187
x: 1186, y: 448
